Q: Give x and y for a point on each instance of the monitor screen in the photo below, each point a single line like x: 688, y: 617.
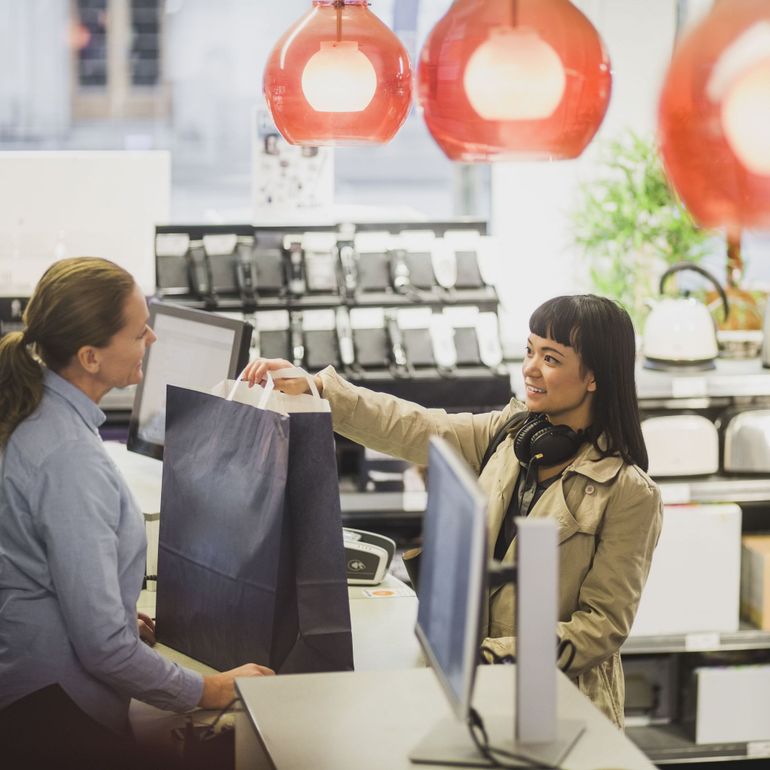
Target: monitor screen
x: 195, y: 349
x: 452, y: 573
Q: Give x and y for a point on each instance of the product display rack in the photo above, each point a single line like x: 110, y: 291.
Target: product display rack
x: 344, y: 291
x: 732, y: 385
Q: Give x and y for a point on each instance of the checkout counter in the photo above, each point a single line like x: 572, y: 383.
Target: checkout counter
x: 374, y: 715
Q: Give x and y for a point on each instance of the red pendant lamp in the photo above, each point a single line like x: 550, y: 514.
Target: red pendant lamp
x: 338, y: 76
x: 714, y: 117
x: 513, y: 79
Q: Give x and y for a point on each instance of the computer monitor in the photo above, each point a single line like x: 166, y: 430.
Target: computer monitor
x: 195, y: 349
x: 453, y: 574
x: 453, y: 569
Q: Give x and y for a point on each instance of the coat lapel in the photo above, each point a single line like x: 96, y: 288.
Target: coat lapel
x: 553, y: 506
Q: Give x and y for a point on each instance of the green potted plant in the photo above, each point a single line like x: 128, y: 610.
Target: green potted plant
x: 631, y: 226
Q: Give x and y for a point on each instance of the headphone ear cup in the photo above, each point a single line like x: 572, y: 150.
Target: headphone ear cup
x: 523, y: 439
x: 554, y: 444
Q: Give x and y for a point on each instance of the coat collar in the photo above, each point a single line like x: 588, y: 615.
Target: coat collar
x: 590, y: 463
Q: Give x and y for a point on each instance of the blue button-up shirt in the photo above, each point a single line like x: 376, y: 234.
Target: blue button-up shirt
x: 72, y: 555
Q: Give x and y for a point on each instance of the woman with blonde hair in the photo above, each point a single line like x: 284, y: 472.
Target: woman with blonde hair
x: 72, y: 538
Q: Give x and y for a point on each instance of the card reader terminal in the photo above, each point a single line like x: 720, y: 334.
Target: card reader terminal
x: 367, y: 556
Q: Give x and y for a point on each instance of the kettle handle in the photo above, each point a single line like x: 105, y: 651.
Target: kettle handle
x: 679, y: 266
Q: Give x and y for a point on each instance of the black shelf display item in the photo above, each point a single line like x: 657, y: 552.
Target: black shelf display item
x: 294, y: 265
x: 414, y: 327
x: 467, y: 346
x: 371, y: 255
x: 348, y: 265
x: 171, y: 260
x: 371, y: 346
x: 272, y: 334
x: 269, y: 264
x: 222, y: 256
x: 322, y: 266
x: 320, y: 339
x: 414, y: 249
x: 466, y: 247
x: 246, y: 273
x: 199, y: 273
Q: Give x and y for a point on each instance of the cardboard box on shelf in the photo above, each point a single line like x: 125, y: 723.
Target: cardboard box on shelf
x: 694, y: 581
x: 755, y: 580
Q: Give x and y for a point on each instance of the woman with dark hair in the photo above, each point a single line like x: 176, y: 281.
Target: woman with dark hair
x: 72, y: 538
x: 573, y: 451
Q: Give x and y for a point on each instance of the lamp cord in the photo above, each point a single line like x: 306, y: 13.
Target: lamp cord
x: 339, y: 5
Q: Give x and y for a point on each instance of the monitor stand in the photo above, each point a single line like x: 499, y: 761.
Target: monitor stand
x: 450, y: 743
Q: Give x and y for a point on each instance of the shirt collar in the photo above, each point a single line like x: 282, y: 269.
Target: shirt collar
x: 79, y: 401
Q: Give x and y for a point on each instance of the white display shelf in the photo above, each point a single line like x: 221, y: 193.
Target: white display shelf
x: 715, y: 489
x: 737, y: 378
x: 746, y: 638
x: 670, y: 744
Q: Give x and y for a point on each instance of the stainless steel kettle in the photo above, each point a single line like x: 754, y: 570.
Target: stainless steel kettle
x: 679, y: 331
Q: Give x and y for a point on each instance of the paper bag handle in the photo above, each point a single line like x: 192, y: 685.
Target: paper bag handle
x: 231, y: 395
x: 288, y: 373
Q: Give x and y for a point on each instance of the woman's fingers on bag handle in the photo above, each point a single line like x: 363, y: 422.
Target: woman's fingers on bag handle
x: 256, y: 372
x: 219, y: 689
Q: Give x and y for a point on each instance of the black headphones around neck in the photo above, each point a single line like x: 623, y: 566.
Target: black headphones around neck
x: 541, y: 442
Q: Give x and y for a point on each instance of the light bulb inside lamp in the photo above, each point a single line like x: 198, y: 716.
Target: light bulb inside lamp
x: 514, y: 75
x: 339, y: 78
x: 746, y: 118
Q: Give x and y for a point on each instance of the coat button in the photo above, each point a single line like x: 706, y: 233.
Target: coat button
x: 590, y: 489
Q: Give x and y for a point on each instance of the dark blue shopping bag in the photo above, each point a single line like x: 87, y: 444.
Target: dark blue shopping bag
x: 251, y: 557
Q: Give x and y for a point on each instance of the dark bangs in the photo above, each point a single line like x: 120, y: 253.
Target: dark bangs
x: 559, y: 319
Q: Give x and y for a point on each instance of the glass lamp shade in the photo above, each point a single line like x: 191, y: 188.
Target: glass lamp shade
x: 525, y: 79
x: 714, y: 117
x: 338, y: 76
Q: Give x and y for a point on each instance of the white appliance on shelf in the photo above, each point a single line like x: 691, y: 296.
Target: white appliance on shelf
x: 681, y: 445
x: 694, y: 581
x: 747, y: 442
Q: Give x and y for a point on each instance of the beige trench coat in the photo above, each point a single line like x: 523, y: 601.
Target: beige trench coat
x: 609, y: 516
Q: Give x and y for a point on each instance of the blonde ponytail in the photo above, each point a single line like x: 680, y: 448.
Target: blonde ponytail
x: 21, y: 383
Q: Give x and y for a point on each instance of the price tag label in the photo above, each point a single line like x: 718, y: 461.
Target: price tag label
x: 689, y: 387
x: 701, y: 642
x: 675, y: 494
x: 414, y: 501
x: 758, y: 749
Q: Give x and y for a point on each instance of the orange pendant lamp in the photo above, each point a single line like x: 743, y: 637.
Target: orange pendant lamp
x: 338, y: 76
x: 513, y: 79
x: 714, y: 117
